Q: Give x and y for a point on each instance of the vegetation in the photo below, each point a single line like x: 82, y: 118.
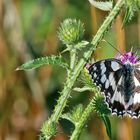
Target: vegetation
x: 72, y: 57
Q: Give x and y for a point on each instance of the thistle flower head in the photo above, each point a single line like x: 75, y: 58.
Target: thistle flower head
x: 71, y: 31
x: 128, y: 57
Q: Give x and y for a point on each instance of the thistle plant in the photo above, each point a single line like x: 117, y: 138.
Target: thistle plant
x: 71, y: 34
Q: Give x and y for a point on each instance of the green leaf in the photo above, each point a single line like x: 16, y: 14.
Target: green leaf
x: 105, y: 6
x: 131, y: 7
x: 107, y: 123
x: 57, y: 60
x: 85, y: 88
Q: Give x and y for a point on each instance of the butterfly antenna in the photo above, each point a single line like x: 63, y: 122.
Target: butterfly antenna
x: 112, y: 46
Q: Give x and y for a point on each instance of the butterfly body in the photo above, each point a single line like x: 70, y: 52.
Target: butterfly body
x: 119, y: 82
x: 128, y: 72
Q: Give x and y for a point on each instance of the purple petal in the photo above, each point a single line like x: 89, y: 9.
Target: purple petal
x: 127, y: 57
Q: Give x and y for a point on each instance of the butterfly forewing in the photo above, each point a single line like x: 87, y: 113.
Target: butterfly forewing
x: 106, y: 74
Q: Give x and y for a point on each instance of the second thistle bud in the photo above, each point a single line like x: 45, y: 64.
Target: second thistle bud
x: 100, y: 105
x: 71, y: 31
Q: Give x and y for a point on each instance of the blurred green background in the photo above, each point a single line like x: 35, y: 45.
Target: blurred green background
x: 28, y: 30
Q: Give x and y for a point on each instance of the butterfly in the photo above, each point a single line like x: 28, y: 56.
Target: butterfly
x: 119, y: 82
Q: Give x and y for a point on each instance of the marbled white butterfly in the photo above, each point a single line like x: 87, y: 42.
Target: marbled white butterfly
x: 119, y: 81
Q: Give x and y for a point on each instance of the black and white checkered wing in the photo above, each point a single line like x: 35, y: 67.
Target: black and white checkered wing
x: 134, y: 106
x: 107, y: 74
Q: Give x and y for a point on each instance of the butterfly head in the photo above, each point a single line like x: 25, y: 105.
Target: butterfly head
x: 128, y: 57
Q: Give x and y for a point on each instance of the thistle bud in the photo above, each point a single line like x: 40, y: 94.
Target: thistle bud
x: 100, y: 106
x: 71, y: 31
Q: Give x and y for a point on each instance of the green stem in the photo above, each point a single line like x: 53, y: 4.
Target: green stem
x: 65, y: 94
x: 82, y: 121
x: 73, y: 58
x: 94, y: 42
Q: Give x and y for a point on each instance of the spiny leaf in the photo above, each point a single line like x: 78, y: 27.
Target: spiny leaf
x: 86, y: 79
x: 132, y: 6
x: 58, y: 60
x: 105, y: 6
x: 107, y: 123
x: 102, y: 109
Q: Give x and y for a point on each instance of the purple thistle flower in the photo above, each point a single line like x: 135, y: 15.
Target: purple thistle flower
x: 128, y: 57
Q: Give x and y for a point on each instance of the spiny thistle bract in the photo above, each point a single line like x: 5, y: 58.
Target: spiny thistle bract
x: 71, y: 31
x: 48, y: 129
x: 100, y: 106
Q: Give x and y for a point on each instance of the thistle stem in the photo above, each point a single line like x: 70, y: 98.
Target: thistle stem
x: 94, y: 42
x: 73, y: 58
x: 65, y: 94
x: 82, y: 121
